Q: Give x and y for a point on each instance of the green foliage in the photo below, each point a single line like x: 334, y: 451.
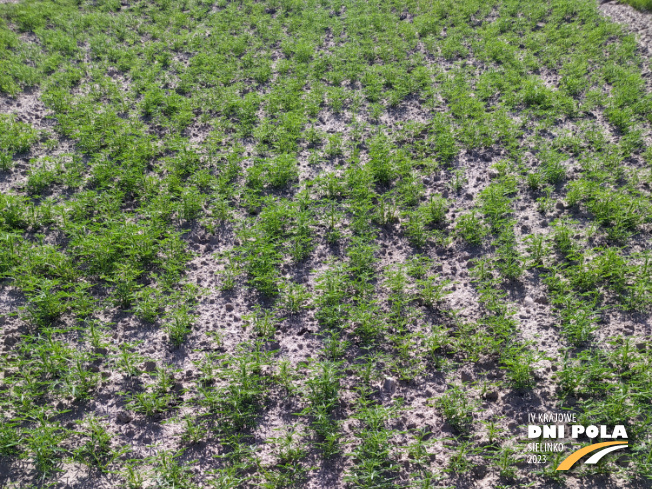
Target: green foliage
x: 456, y: 409
x: 170, y: 473
x: 519, y: 361
x: 43, y: 444
x: 640, y: 4
x: 179, y: 324
x: 471, y: 229
x: 374, y: 465
x: 322, y: 396
x: 15, y: 137
x: 97, y: 451
x: 237, y: 403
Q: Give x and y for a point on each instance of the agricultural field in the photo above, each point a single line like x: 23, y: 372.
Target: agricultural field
x: 323, y: 243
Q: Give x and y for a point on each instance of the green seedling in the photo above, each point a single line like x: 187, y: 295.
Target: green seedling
x: 456, y: 409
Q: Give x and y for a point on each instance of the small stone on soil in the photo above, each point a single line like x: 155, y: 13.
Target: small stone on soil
x: 491, y: 396
x: 389, y: 385
x: 124, y: 417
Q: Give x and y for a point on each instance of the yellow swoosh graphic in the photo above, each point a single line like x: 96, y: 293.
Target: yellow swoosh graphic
x: 569, y: 461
